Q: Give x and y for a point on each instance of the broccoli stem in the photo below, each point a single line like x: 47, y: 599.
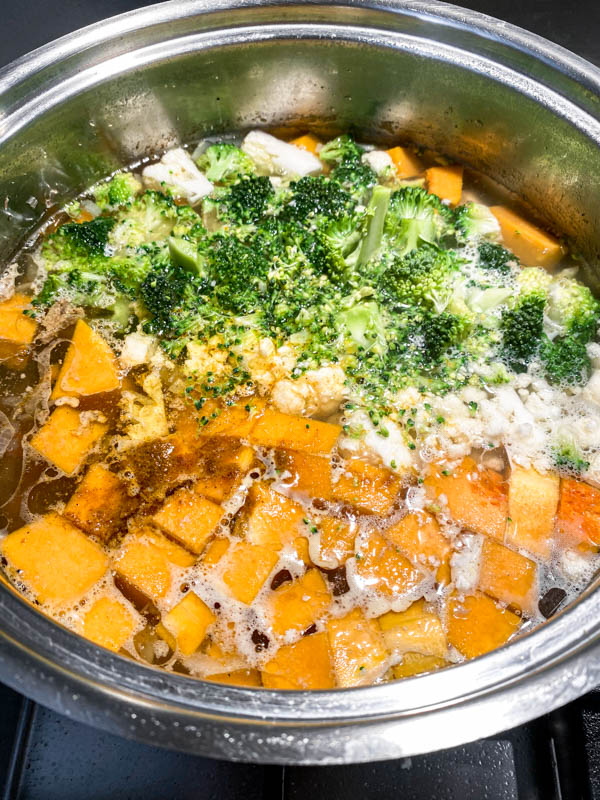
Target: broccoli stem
x: 376, y: 211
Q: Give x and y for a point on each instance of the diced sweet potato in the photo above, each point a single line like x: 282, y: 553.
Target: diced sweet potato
x: 189, y: 518
x: 187, y: 623
x: 384, y: 569
x: 477, y: 624
x: 357, y: 650
x: 419, y: 538
x: 508, y: 576
x: 109, y: 623
x: 67, y: 437
x: 16, y: 330
x: 407, y: 164
x: 89, y: 367
x: 307, y: 142
x: 417, y: 664
x: 309, y: 474
x: 337, y: 539
x: 54, y: 559
x: 416, y: 630
x: 100, y: 503
x: 445, y: 182
x: 239, y: 677
x: 162, y: 464
x: 532, y: 506
x: 215, y: 552
x: 236, y: 420
x: 215, y: 487
x: 370, y: 488
x: 274, y: 429
x: 296, y: 606
x: 303, y: 665
x: 144, y: 559
x: 531, y: 245
x: 477, y: 499
x: 578, y: 520
x: 247, y: 567
x: 274, y: 520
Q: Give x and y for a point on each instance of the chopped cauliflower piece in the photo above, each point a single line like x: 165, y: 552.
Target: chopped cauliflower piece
x: 138, y: 348
x: 591, y: 393
x: 203, y: 357
x: 380, y: 162
x: 144, y: 414
x: 176, y: 171
x: 368, y: 441
x: 273, y: 156
x: 266, y: 363
x: 317, y: 393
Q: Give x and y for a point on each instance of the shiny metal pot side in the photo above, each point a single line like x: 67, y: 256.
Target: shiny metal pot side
x: 504, y: 101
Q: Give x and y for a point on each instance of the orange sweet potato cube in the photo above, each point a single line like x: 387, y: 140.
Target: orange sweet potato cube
x: 578, y: 520
x: 477, y: 498
x: 477, y: 624
x: 16, y: 329
x: 336, y: 539
x: 384, y: 569
x: 306, y: 664
x: 296, y: 606
x: 238, y: 677
x: 532, y: 506
x: 144, y: 561
x: 273, y: 520
x: 357, y: 651
x: 110, y: 623
x: 189, y: 518
x: 416, y: 630
x: 446, y: 183
x: 309, y: 474
x: 370, y: 488
x: 214, y: 552
x: 237, y: 419
x: 246, y: 567
x: 419, y: 538
x: 89, y: 367
x: 274, y: 429
x: 508, y: 576
x: 531, y: 245
x: 307, y: 142
x: 187, y: 623
x: 417, y: 664
x: 407, y: 164
x: 67, y: 437
x: 54, y: 559
x: 215, y: 487
x: 100, y: 503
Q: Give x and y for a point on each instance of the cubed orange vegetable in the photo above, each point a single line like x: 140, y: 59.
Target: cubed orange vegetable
x: 274, y: 429
x: 214, y: 552
x: 477, y: 624
x: 309, y: 474
x: 306, y: 664
x: 273, y: 520
x: 357, y: 651
x: 407, y: 164
x: 383, y: 568
x: 419, y: 538
x: 296, y: 606
x: 237, y: 419
x: 215, y: 487
x: 416, y: 630
x: 446, y: 183
x: 307, y: 142
x: 67, y: 437
x: 417, y: 664
x: 54, y: 559
x: 370, y: 488
x: 189, y: 518
x: 239, y: 677
x: 336, y: 539
x: 89, y: 367
x: 532, y: 506
x: 16, y: 329
x: 187, y: 623
x: 110, y: 623
x: 509, y: 577
x: 100, y: 503
x: 531, y: 245
x: 247, y: 567
x: 477, y: 498
x: 578, y: 520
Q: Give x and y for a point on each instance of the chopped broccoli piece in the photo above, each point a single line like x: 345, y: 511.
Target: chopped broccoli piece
x: 224, y: 162
x: 152, y: 217
x: 364, y: 323
x: 237, y: 272
x: 342, y: 148
x: 247, y: 200
x: 475, y: 221
x: 348, y: 169
x: 522, y: 328
x: 317, y: 196
x: 423, y: 277
x: 120, y: 190
x: 414, y: 217
x: 565, y: 360
x: 376, y: 217
x: 185, y: 254
x: 78, y: 240
x: 440, y: 333
x: 495, y: 257
x: 568, y: 458
x: 572, y: 305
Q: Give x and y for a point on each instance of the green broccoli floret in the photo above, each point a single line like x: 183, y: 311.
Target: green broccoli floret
x: 565, y: 360
x: 364, y: 323
x: 224, y: 162
x: 120, y: 190
x: 376, y: 220
x: 238, y: 273
x: 414, y: 217
x: 569, y: 459
x: 247, y: 200
x: 342, y: 148
x: 423, y: 277
x: 348, y: 169
x: 572, y: 305
x: 495, y: 257
x: 78, y: 240
x: 474, y: 221
x: 441, y: 332
x: 522, y: 328
x: 169, y: 295
x: 316, y: 196
x: 153, y: 217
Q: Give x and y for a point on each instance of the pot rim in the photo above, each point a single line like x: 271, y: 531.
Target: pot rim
x: 539, y: 671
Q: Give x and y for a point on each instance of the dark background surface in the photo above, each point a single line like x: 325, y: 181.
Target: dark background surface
x: 44, y: 756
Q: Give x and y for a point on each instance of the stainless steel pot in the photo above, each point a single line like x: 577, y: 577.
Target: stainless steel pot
x: 504, y: 101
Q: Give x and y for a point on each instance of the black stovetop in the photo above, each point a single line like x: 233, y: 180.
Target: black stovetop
x: 44, y: 756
